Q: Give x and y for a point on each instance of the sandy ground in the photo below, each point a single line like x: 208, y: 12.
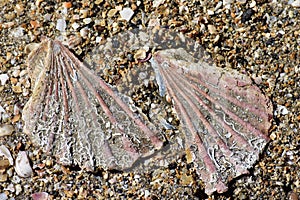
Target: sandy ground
x: 261, y: 38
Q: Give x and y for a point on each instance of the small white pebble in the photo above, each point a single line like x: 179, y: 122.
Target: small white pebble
x: 16, y: 73
x: 2, y: 109
x: 3, y: 78
x: 75, y: 26
x: 23, y: 72
x: 296, y: 3
x: 10, y: 188
x: 210, y: 12
x: 61, y: 25
x: 146, y: 193
x: 47, y: 17
x: 218, y: 6
x: 84, y: 32
x: 3, y: 196
x: 126, y: 13
x: 17, y: 32
x: 156, y: 3
x: 227, y: 3
x: 98, y: 39
x: 252, y: 4
x: 282, y: 110
x: 18, y: 189
x: 87, y: 20
x: 273, y: 136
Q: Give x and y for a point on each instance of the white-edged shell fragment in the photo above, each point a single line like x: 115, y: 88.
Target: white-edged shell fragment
x: 6, y: 153
x: 22, y: 166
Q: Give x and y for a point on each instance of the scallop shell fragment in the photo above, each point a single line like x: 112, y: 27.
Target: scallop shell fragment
x: 74, y: 115
x: 224, y: 117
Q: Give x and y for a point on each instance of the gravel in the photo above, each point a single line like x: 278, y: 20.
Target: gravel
x: 259, y: 37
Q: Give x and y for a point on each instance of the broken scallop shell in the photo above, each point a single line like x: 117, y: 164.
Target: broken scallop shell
x: 77, y: 117
x: 224, y: 116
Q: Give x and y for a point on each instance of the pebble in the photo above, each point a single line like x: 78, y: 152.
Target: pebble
x: 252, y: 4
x: 296, y: 3
x: 16, y: 73
x: 84, y: 32
x: 273, y: 136
x: 22, y: 166
x: 75, y: 26
x: 98, y: 39
x: 157, y: 3
x: 112, y: 12
x: 67, y: 4
x: 40, y: 196
x: 17, y: 32
x: 18, y: 189
x: 227, y: 3
x: 6, y: 153
x: 3, y: 78
x: 3, y: 177
x: 3, y: 196
x: 6, y: 129
x: 126, y: 13
x: 210, y: 12
x: 87, y: 20
x: 84, y: 13
x: 2, y: 109
x: 61, y: 25
x: 17, y: 88
x: 211, y: 29
x: 246, y: 16
x: 281, y: 110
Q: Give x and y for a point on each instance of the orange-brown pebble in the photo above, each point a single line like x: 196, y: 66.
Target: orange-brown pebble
x: 34, y: 24
x: 67, y: 4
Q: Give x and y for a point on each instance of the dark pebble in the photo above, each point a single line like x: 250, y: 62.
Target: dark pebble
x: 247, y: 15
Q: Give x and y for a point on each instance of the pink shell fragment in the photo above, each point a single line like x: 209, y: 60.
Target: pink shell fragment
x: 224, y: 116
x: 77, y: 117
x: 40, y: 196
